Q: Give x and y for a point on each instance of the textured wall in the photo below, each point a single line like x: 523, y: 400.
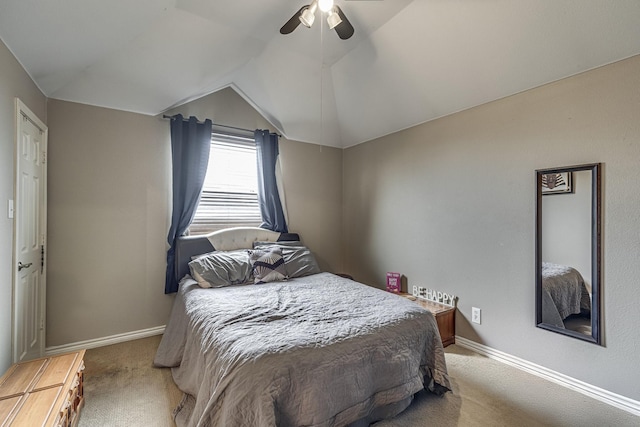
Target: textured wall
x: 451, y: 204
x: 109, y: 178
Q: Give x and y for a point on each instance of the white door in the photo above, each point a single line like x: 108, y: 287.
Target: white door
x: 29, y: 236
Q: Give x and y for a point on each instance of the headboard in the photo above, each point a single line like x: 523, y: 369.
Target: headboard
x: 223, y: 240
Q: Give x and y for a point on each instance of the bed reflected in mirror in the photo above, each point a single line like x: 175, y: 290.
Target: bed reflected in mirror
x: 568, y: 251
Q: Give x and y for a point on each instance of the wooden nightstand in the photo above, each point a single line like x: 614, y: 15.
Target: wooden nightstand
x: 445, y: 317
x: 43, y: 392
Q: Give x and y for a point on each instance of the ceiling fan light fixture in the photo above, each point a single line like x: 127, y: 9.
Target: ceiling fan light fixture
x: 309, y: 14
x: 306, y: 15
x: 333, y: 19
x: 325, y: 5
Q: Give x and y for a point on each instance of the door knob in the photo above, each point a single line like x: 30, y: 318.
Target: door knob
x: 21, y: 265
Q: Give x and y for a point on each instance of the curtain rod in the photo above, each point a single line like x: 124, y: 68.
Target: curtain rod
x: 164, y: 116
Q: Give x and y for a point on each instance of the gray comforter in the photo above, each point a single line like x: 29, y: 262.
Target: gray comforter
x: 566, y: 289
x: 313, y: 351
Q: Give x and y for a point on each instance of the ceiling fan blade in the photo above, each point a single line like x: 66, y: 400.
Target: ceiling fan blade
x: 344, y: 29
x: 292, y: 23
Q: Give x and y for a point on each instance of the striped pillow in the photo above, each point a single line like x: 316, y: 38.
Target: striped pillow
x: 268, y: 265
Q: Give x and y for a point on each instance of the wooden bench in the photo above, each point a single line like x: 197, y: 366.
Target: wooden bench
x: 45, y: 392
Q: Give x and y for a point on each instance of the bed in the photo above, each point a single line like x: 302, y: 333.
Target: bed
x: 564, y: 293
x: 315, y: 349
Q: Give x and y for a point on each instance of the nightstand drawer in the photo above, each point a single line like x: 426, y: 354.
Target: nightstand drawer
x: 445, y: 317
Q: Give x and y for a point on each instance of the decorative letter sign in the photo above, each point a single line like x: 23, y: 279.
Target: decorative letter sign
x: 434, y: 296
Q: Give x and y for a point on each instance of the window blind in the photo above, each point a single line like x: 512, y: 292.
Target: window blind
x: 229, y: 195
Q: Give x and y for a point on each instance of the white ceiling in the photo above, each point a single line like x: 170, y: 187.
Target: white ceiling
x: 408, y: 62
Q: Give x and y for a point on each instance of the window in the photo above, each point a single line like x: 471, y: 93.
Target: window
x: 230, y: 191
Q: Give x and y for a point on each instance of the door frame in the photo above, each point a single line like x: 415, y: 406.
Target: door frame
x: 21, y: 110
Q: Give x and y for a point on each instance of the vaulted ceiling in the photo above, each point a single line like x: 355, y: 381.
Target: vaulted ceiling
x: 408, y: 62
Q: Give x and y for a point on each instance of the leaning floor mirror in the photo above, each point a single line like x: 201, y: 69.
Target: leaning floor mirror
x: 568, y: 251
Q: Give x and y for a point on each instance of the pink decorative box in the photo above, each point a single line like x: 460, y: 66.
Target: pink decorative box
x: 393, y: 282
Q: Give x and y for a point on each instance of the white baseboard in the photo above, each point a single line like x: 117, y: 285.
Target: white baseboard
x: 613, y: 399
x: 101, y: 342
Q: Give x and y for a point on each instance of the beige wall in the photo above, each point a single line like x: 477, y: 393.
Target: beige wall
x: 313, y: 187
x: 14, y: 82
x: 450, y: 204
x: 109, y: 212
x: 109, y: 180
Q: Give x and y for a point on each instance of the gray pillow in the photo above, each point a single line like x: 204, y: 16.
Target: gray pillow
x: 298, y: 258
x: 218, y: 269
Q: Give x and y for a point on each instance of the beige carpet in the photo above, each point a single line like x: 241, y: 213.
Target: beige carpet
x: 122, y: 388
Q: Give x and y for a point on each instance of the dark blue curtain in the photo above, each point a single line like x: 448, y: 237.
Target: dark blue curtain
x: 268, y: 197
x: 190, y: 146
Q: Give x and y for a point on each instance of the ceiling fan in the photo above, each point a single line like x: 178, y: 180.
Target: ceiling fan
x: 307, y: 14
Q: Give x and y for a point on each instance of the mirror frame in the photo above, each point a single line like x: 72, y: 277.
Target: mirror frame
x: 596, y: 279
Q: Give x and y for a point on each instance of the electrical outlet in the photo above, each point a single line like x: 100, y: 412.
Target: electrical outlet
x: 475, y: 315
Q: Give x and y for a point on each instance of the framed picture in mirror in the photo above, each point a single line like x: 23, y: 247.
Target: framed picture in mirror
x: 556, y: 183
